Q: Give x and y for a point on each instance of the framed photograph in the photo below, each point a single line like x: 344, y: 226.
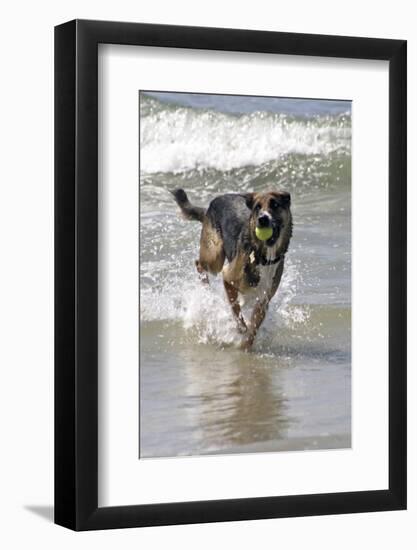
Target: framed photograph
x: 230, y: 255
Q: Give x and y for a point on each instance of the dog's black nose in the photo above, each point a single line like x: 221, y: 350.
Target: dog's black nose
x: 263, y: 220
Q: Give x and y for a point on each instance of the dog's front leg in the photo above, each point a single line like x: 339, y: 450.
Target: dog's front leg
x: 232, y: 295
x: 258, y: 315
x: 259, y: 311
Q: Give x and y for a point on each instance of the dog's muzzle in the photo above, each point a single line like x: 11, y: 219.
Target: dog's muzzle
x: 264, y: 221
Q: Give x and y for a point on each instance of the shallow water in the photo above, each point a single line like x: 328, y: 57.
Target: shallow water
x: 198, y: 393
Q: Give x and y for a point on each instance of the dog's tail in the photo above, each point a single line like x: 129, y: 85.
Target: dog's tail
x: 189, y: 211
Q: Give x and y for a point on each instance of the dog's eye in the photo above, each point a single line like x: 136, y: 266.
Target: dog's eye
x: 257, y: 207
x: 273, y: 204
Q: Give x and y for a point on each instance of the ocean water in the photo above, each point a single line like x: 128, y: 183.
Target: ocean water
x: 199, y: 394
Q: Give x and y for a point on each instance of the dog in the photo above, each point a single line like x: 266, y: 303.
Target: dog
x: 229, y: 244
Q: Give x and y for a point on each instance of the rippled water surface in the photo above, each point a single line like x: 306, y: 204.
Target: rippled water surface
x: 198, y: 393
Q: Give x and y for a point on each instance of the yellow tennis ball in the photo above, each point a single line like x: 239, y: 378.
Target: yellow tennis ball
x: 263, y: 233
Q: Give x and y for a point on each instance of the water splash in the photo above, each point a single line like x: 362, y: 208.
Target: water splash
x: 203, y: 310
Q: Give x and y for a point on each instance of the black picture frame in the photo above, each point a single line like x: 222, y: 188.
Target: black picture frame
x: 76, y: 272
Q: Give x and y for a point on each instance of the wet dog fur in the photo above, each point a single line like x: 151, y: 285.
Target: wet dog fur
x: 229, y: 244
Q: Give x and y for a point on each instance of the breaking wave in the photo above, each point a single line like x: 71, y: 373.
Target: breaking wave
x: 177, y: 139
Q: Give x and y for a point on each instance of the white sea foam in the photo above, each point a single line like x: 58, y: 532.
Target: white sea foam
x: 180, y: 139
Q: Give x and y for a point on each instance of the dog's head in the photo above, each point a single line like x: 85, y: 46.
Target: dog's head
x: 271, y: 210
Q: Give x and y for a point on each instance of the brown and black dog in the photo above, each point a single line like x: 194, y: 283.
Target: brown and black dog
x: 253, y: 267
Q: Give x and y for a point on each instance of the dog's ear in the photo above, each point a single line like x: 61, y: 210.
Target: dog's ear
x: 249, y: 199
x: 283, y: 197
